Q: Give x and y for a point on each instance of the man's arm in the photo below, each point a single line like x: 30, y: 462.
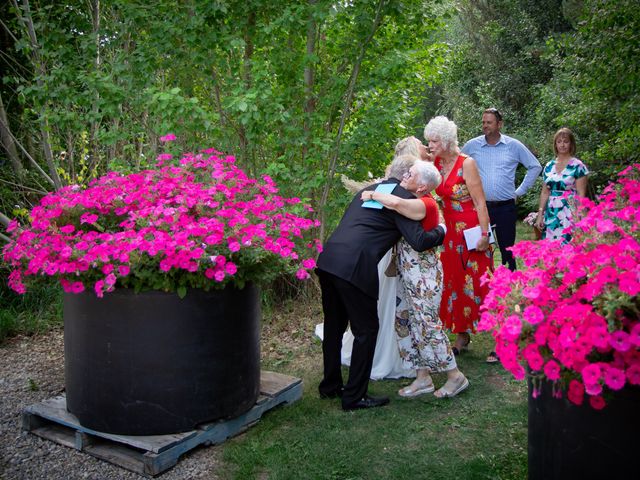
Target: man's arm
x: 419, y: 239
x: 531, y: 163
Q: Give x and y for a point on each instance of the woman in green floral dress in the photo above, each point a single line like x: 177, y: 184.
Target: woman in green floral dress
x: 564, y: 178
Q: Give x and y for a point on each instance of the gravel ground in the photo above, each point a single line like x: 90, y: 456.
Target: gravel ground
x: 32, y: 370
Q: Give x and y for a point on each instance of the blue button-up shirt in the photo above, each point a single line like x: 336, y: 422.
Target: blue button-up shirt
x: 497, y: 165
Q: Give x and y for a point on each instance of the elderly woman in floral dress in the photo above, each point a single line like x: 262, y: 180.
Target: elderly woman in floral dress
x: 422, y: 341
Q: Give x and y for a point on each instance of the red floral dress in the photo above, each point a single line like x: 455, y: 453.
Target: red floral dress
x: 462, y: 292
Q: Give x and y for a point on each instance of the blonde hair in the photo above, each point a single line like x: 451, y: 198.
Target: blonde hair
x: 408, y: 146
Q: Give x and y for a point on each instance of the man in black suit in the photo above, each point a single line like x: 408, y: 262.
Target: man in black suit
x: 348, y: 273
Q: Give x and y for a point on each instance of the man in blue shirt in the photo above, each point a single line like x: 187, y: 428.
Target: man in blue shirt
x: 497, y: 157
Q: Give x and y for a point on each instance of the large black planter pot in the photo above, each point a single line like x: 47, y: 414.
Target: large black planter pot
x: 152, y: 363
x: 569, y: 441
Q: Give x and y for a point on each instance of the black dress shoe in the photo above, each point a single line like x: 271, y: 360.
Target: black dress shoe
x: 332, y: 394
x: 367, y: 402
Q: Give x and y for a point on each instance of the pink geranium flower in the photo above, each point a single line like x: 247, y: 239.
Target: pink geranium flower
x: 533, y: 314
x: 552, y: 370
x: 614, y: 378
x: 197, y: 221
x: 569, y: 315
x: 170, y: 137
x: 597, y: 402
x: 575, y: 393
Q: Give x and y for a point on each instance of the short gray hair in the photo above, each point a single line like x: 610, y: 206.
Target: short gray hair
x: 444, y: 130
x: 401, y: 165
x: 408, y: 146
x: 428, y: 174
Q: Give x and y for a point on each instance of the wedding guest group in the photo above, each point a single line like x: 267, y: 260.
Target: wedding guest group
x: 438, y: 290
x: 387, y: 362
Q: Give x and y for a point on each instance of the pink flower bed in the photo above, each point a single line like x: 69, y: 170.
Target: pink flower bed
x: 201, y: 224
x: 572, y: 314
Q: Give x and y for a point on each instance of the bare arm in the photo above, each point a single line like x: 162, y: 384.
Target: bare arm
x: 410, y: 208
x: 474, y: 184
x: 581, y: 186
x: 542, y: 205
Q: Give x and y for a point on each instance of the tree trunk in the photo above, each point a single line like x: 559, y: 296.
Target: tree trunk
x: 8, y: 143
x: 27, y: 22
x: 248, y: 80
x: 95, y: 124
x: 346, y: 110
x: 309, y: 79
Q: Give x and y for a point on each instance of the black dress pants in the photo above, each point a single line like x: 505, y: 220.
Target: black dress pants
x: 343, y: 304
x: 504, y: 217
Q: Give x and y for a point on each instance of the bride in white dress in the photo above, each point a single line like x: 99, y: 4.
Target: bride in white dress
x: 386, y: 360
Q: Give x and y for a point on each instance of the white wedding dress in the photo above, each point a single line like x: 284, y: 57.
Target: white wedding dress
x: 386, y: 360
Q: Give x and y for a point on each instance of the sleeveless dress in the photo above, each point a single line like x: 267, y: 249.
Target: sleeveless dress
x: 558, y: 213
x: 462, y: 293
x: 422, y: 340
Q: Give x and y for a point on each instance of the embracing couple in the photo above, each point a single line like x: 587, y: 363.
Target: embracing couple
x: 348, y: 272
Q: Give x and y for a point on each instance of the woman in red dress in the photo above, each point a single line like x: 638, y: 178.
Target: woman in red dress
x: 463, y: 206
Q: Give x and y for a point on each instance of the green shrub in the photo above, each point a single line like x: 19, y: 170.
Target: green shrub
x: 36, y: 311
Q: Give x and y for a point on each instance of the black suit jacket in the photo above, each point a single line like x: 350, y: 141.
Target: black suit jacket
x: 364, y: 235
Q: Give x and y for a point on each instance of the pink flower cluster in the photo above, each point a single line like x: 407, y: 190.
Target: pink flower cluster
x: 200, y: 224
x: 572, y: 315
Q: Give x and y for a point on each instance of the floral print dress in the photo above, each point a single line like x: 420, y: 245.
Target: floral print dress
x: 463, y: 292
x: 562, y: 191
x: 422, y: 341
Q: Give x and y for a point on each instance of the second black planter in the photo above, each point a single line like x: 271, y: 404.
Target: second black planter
x: 569, y: 441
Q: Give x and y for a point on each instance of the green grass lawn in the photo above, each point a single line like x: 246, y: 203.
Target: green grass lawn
x: 481, y: 434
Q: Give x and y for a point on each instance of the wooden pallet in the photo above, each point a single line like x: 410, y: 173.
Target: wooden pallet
x: 151, y: 455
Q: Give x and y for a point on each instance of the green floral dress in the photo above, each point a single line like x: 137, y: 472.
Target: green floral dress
x: 562, y: 191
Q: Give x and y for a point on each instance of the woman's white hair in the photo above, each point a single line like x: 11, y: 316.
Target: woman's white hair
x: 408, y: 146
x: 443, y: 129
x: 428, y: 174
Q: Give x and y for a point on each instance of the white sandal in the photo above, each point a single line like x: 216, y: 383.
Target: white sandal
x: 443, y: 393
x: 416, y: 389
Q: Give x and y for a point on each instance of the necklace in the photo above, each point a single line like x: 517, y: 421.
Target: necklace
x: 447, y: 166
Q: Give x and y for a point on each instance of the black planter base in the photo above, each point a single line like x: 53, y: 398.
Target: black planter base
x: 569, y: 441
x: 152, y: 363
